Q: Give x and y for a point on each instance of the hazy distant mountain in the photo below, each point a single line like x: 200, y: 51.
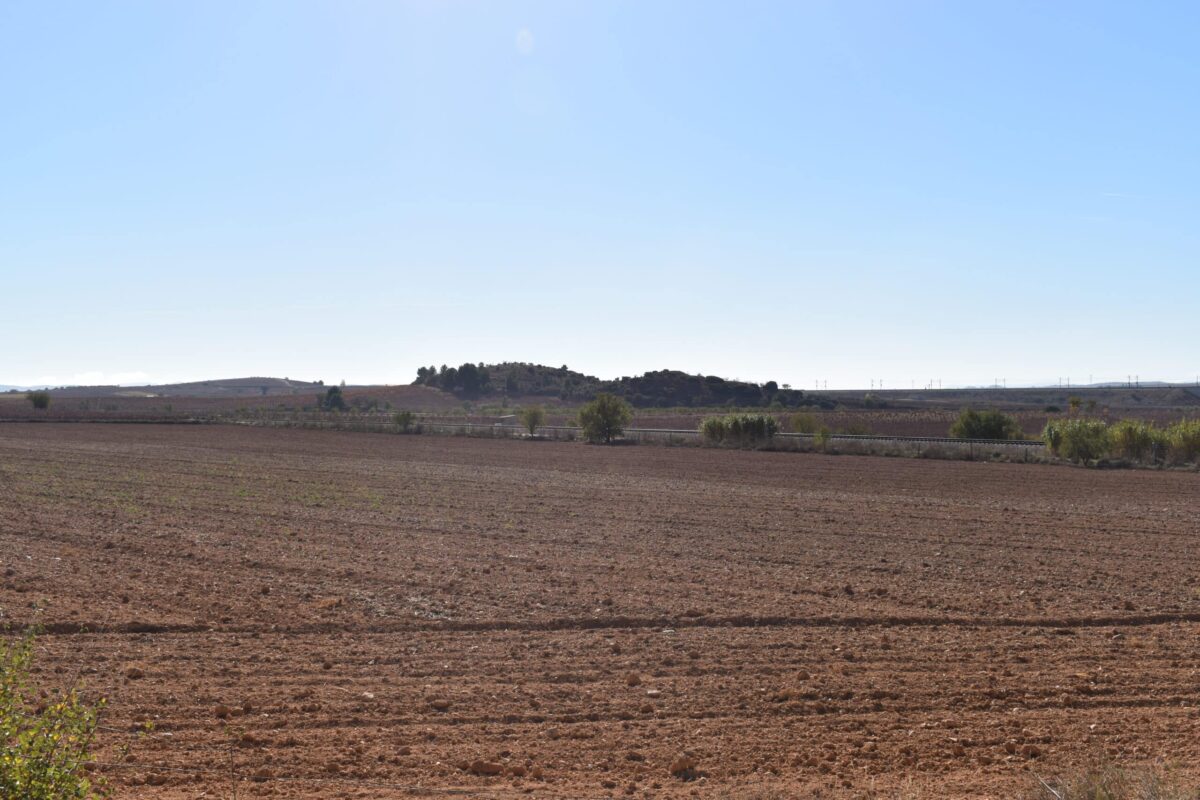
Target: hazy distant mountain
x: 227, y: 387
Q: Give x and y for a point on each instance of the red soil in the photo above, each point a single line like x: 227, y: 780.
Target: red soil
x: 355, y: 615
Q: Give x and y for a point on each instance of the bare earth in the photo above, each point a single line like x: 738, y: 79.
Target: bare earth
x: 361, y: 615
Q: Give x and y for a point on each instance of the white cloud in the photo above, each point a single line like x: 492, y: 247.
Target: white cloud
x: 524, y: 41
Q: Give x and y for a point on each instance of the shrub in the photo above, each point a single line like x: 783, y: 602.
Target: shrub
x: 972, y: 424
x: 739, y: 429
x: 333, y: 399
x: 404, y: 420
x: 1135, y: 439
x: 821, y: 437
x: 1077, y: 439
x: 803, y: 422
x: 604, y: 418
x: 712, y: 429
x: 44, y: 743
x: 533, y: 418
x: 39, y: 399
x: 1183, y: 441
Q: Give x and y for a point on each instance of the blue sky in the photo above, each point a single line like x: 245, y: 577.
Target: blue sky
x: 800, y: 191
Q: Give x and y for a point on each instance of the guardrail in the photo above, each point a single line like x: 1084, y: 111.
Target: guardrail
x: 384, y: 423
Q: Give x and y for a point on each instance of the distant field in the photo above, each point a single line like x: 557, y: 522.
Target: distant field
x: 898, y: 413
x: 359, y: 615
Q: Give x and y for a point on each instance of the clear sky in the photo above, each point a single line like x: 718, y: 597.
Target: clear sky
x: 837, y: 191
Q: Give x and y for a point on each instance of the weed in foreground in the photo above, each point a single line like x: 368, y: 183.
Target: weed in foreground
x: 1111, y: 782
x: 45, y: 745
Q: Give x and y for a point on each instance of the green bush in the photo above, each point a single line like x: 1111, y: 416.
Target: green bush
x: 1183, y: 441
x: 712, y: 429
x: 39, y: 399
x: 803, y: 422
x: 404, y: 420
x: 739, y: 429
x: 604, y: 419
x: 533, y: 418
x: 1135, y: 440
x: 333, y: 399
x: 45, y: 743
x: 821, y: 437
x: 972, y: 424
x: 1077, y: 439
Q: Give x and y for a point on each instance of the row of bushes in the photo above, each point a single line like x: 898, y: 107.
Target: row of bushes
x: 1134, y: 440
x: 739, y: 429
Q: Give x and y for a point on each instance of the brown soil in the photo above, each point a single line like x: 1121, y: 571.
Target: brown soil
x: 357, y: 615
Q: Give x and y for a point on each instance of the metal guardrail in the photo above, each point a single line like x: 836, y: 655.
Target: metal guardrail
x: 834, y: 436
x: 384, y: 423
x: 493, y: 429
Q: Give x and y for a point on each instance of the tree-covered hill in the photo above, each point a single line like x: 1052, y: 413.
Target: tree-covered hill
x: 661, y: 389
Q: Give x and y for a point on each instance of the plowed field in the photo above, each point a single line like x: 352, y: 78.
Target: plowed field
x: 314, y: 614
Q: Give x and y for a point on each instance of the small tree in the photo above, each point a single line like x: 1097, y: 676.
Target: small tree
x: 533, y: 418
x: 604, y: 418
x: 45, y: 743
x: 333, y: 399
x: 404, y: 420
x: 39, y: 399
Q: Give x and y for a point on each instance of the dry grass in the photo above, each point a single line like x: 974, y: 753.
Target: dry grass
x: 1115, y: 783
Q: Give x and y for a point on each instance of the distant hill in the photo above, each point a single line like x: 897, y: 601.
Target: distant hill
x: 661, y: 389
x: 228, y: 387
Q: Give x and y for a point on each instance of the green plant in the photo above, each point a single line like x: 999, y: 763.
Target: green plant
x: 1077, y: 439
x: 533, y: 418
x: 821, y: 437
x: 404, y: 420
x: 713, y: 430
x: 1183, y: 441
x: 604, y: 418
x: 333, y: 399
x: 739, y: 429
x: 39, y: 399
x: 45, y: 744
x: 972, y: 424
x: 1135, y: 439
x: 803, y: 422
